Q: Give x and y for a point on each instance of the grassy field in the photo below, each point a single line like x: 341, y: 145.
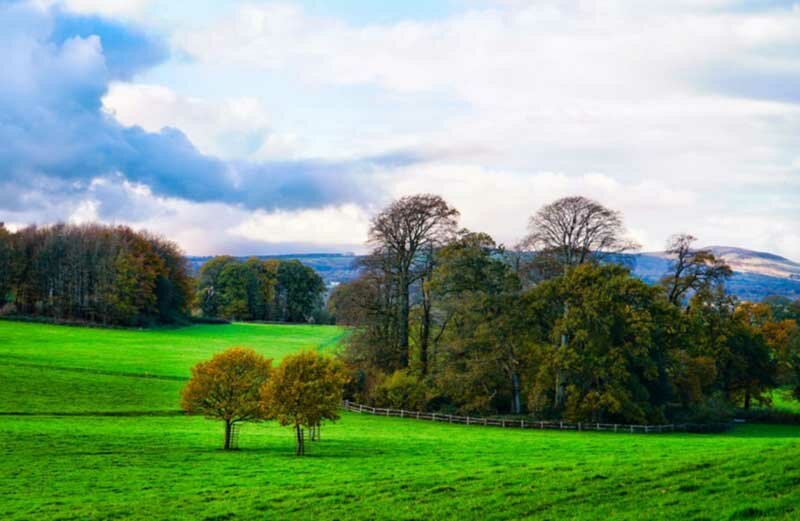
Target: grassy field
x: 147, y: 466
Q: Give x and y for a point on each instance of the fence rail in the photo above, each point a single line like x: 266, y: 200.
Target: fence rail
x: 541, y: 425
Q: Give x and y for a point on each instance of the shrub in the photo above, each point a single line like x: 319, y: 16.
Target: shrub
x: 401, y: 390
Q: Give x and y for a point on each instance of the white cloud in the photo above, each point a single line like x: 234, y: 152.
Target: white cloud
x: 108, y: 8
x: 233, y: 127
x: 345, y: 224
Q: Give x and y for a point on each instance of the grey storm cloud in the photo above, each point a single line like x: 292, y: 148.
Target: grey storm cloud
x: 55, y: 137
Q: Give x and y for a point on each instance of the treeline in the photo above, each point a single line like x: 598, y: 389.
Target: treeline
x: 103, y: 274
x: 445, y: 319
x: 112, y: 275
x: 261, y: 290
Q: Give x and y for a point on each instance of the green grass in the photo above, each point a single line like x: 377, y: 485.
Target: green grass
x: 156, y: 467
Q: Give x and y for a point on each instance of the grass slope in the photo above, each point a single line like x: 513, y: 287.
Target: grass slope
x: 146, y: 467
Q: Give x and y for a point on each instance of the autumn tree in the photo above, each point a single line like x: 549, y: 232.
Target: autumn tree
x: 480, y: 340
x: 691, y: 269
x: 227, y: 388
x: 105, y: 274
x: 728, y: 331
x: 404, y: 236
x: 575, y: 230
x: 615, y: 365
x: 304, y: 390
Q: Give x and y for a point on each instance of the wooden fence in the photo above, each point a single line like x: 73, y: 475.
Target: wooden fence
x: 531, y: 424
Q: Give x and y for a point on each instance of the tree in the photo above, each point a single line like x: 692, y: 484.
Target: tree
x: 232, y: 286
x: 575, y: 230
x: 729, y: 332
x: 227, y: 388
x: 299, y: 291
x: 5, y: 263
x: 691, y: 270
x: 91, y: 272
x: 567, y: 233
x: 483, y: 327
x: 304, y: 390
x: 615, y: 365
x: 209, y: 294
x: 404, y: 235
x: 262, y: 288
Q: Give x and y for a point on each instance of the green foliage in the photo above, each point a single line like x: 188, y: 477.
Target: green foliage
x: 270, y: 290
x: 401, y: 390
x: 616, y: 332
x: 299, y: 291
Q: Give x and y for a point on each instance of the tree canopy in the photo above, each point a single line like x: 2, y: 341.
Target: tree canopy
x: 228, y: 388
x: 304, y: 390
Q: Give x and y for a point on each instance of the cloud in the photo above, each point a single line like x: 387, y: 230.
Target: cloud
x: 681, y: 114
x: 57, y: 139
x: 234, y: 127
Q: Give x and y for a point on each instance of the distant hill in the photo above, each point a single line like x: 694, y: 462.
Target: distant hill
x: 756, y: 274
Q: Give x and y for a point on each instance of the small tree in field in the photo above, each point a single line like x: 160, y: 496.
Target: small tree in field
x: 227, y: 388
x: 304, y: 390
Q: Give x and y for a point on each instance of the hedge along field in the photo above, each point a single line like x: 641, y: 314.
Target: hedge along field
x: 365, y: 467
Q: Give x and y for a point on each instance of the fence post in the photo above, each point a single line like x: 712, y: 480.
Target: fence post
x: 401, y: 413
x: 646, y: 427
x: 418, y: 415
x: 598, y: 426
x: 522, y: 424
x: 360, y: 408
x: 561, y: 425
x: 467, y: 420
x: 631, y: 429
x: 579, y: 426
x: 541, y: 425
x: 615, y: 427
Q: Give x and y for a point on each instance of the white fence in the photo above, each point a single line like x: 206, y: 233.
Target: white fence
x: 531, y: 424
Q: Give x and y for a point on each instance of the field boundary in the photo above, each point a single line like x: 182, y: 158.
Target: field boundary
x: 123, y: 414
x: 537, y: 424
x: 103, y: 372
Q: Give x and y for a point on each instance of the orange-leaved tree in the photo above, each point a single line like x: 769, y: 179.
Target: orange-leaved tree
x: 304, y: 390
x: 227, y: 388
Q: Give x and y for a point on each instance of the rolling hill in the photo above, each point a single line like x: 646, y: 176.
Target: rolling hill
x: 756, y: 274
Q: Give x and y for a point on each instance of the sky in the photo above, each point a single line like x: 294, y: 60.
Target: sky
x: 258, y: 127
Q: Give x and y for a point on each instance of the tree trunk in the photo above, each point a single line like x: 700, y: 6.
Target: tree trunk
x: 559, y: 390
x: 516, y: 402
x: 403, y: 319
x: 425, y: 334
x: 301, y: 446
x: 228, y: 425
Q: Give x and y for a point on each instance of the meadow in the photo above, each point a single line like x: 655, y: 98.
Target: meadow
x: 90, y: 430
